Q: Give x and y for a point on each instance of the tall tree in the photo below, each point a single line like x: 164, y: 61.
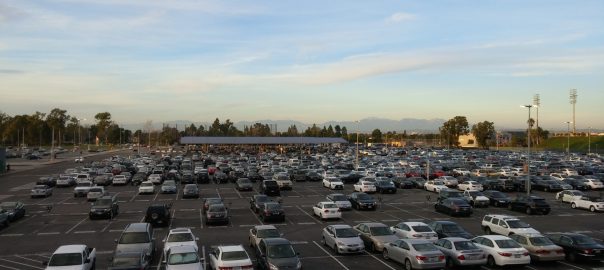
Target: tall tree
x: 453, y: 128
x: 103, y: 121
x: 376, y: 135
x: 57, y: 118
x: 483, y: 131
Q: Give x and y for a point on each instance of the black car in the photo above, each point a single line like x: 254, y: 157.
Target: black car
x: 385, y: 186
x: 578, y: 246
x: 446, y: 228
x: 257, y: 200
x: 497, y: 198
x: 529, y: 204
x: 104, y: 207
x: 271, y: 211
x: 450, y: 194
x: 313, y: 176
x: 351, y: 178
x: 207, y: 202
x: 404, y: 183
x: 190, y: 191
x: 244, y: 184
x: 547, y: 185
x: 418, y: 182
x: 270, y: 188
x: 187, y: 179
x: 361, y: 200
x: 158, y: 214
x: 50, y: 181
x: 203, y: 177
x: 129, y: 261
x: 254, y: 176
x: 577, y: 184
x: 14, y: 210
x: 454, y: 207
x: 298, y: 176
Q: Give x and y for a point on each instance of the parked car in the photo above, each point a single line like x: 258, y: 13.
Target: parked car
x: 567, y: 196
x: 435, y: 186
x: 190, y: 191
x: 539, y: 247
x: 257, y: 200
x: 79, y: 257
x: 340, y: 200
x: 137, y: 237
x: 41, y: 191
x: 414, y: 254
x: 158, y: 214
x: 82, y: 188
x: 502, y: 250
x: 414, y: 230
x: 454, y: 207
x: 591, y: 203
x: 578, y: 246
x: 385, y: 186
x: 270, y: 188
x: 169, y: 187
x: 277, y: 253
x: 104, y: 207
x: 364, y: 186
x: 230, y: 257
x: 14, y: 210
x: 333, y: 183
x: 146, y: 187
x: 530, y: 205
x: 183, y: 257
x: 4, y: 218
x: 217, y: 213
x: 179, y: 237
x: 342, y: 239
x: 476, y: 198
x: 129, y: 260
x: 505, y: 225
x: 260, y: 232
x: 375, y: 235
x: 327, y: 210
x: 95, y: 192
x: 244, y: 184
x: 360, y: 200
x: 497, y: 198
x: 470, y: 185
x: 445, y: 228
x: 207, y: 202
x: 461, y: 252
x: 271, y: 211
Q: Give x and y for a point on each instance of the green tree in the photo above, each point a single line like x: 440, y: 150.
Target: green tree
x: 453, y: 128
x: 103, y: 121
x: 483, y: 131
x: 376, y: 134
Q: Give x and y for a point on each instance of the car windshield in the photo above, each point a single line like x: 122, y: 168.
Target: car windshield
x: 180, y: 237
x: 102, y: 202
x: 364, y: 196
x: 268, y: 233
x: 540, y: 241
x: 424, y: 247
x: 339, y: 198
x: 583, y: 240
x: 144, y: 184
x: 65, y: 259
x: 125, y: 261
x: 183, y: 258
x: 464, y: 245
x: 134, y: 238
x: 170, y: 183
x: 246, y: 181
x: 234, y: 255
x: 380, y: 231
x: 261, y: 199
x: 280, y: 251
x: 507, y: 243
x: 273, y: 206
x: 497, y: 195
x: 596, y: 199
x: 330, y: 205
x: 451, y: 228
x: 346, y: 233
x: 421, y: 228
x: 518, y: 224
x: 217, y: 208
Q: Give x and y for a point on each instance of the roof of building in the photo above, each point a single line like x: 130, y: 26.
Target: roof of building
x: 261, y: 140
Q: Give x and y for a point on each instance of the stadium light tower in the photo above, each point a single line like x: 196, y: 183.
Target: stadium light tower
x: 537, y: 104
x: 528, y: 155
x: 573, y: 101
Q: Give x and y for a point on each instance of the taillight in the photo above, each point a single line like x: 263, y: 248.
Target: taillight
x: 461, y: 257
x: 441, y: 258
x: 505, y: 254
x: 421, y: 258
x: 560, y: 251
x: 526, y: 253
x: 326, y: 211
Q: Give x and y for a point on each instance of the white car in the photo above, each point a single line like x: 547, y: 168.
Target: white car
x: 434, y: 186
x: 568, y: 196
x: 462, y: 172
x: 95, y: 193
x: 364, y: 186
x: 592, y: 203
x: 449, y: 181
x: 505, y: 225
x: 502, y: 250
x: 179, y: 237
x: 594, y: 183
x: 569, y: 172
x: 414, y: 230
x: 333, y: 183
x: 342, y: 238
x: 557, y: 176
x: 120, y: 180
x: 146, y: 187
x: 82, y: 188
x: 470, y: 185
x: 327, y: 210
x: 476, y: 198
x: 183, y: 257
x: 230, y: 257
x: 260, y: 232
x: 154, y: 178
x: 340, y: 200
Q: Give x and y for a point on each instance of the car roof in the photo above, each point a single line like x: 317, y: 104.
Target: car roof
x: 264, y: 227
x: 505, y: 217
x: 456, y: 239
x: 181, y: 230
x: 340, y: 226
x: 414, y: 223
x: 415, y: 241
x: 374, y: 224
x: 495, y: 237
x: 70, y: 248
x: 231, y: 248
x: 182, y: 249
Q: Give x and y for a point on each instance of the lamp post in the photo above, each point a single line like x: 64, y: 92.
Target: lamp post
x: 528, y: 155
x: 589, y: 141
x: 80, y: 130
x: 357, y: 157
x: 568, y: 138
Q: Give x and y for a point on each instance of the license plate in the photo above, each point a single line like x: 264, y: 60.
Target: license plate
x: 433, y: 259
x: 517, y: 256
x: 370, y: 206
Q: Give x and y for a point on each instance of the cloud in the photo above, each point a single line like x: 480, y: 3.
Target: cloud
x: 10, y: 13
x: 401, y: 16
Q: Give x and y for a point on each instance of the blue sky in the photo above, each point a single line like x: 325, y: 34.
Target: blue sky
x: 311, y: 61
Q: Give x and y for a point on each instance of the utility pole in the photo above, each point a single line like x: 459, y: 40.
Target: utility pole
x: 573, y: 101
x: 528, y: 153
x: 537, y: 104
x: 589, y: 141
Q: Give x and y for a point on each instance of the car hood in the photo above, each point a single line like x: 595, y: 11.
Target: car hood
x: 350, y: 240
x: 366, y: 201
x: 142, y: 247
x: 385, y: 238
x: 167, y: 245
x: 290, y: 263
x: 481, y: 198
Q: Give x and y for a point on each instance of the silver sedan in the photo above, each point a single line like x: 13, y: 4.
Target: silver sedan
x: 414, y: 254
x: 342, y: 238
x: 461, y: 251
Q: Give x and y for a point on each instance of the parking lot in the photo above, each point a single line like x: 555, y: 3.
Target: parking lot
x: 62, y: 219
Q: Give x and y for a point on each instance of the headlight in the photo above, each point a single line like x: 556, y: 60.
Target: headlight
x: 502, y: 201
x: 340, y: 243
x: 272, y: 267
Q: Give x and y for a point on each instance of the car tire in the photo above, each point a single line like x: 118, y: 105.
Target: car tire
x: 385, y: 255
x: 571, y: 257
x: 335, y: 249
x: 592, y: 209
x: 573, y: 205
x: 449, y: 264
x: 408, y: 265
x: 372, y: 248
x: 491, y: 261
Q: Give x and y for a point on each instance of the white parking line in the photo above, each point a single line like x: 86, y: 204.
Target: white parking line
x: 378, y: 259
x: 25, y: 258
x: 49, y: 233
x: 200, y: 219
x: 331, y: 256
x: 81, y: 232
x: 22, y: 264
x: 568, y: 264
x: 74, y: 226
x: 8, y: 267
x: 12, y: 234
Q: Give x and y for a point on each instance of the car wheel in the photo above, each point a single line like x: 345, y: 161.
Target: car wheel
x: 408, y: 265
x: 573, y: 205
x: 546, y: 189
x: 335, y: 249
x: 491, y: 261
x: 449, y: 263
x: 571, y: 257
x: 487, y: 230
x: 372, y: 247
x: 323, y: 242
x: 385, y: 255
x: 592, y: 208
x: 496, y: 204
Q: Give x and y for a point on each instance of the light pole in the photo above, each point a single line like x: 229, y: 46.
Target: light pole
x: 80, y: 130
x: 589, y: 141
x: 568, y: 138
x: 357, y: 157
x: 528, y: 155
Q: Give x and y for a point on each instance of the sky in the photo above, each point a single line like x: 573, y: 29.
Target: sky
x: 310, y: 61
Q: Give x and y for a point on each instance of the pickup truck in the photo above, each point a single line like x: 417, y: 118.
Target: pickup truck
x: 80, y: 257
x: 82, y: 188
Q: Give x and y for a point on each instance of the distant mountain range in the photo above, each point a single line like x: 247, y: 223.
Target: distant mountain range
x: 364, y: 125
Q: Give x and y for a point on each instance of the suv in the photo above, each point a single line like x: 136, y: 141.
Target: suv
x: 270, y: 188
x: 136, y: 237
x: 105, y: 207
x: 505, y: 225
x: 529, y: 204
x: 158, y: 214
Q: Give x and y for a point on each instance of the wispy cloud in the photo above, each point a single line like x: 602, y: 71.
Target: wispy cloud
x: 400, y: 17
